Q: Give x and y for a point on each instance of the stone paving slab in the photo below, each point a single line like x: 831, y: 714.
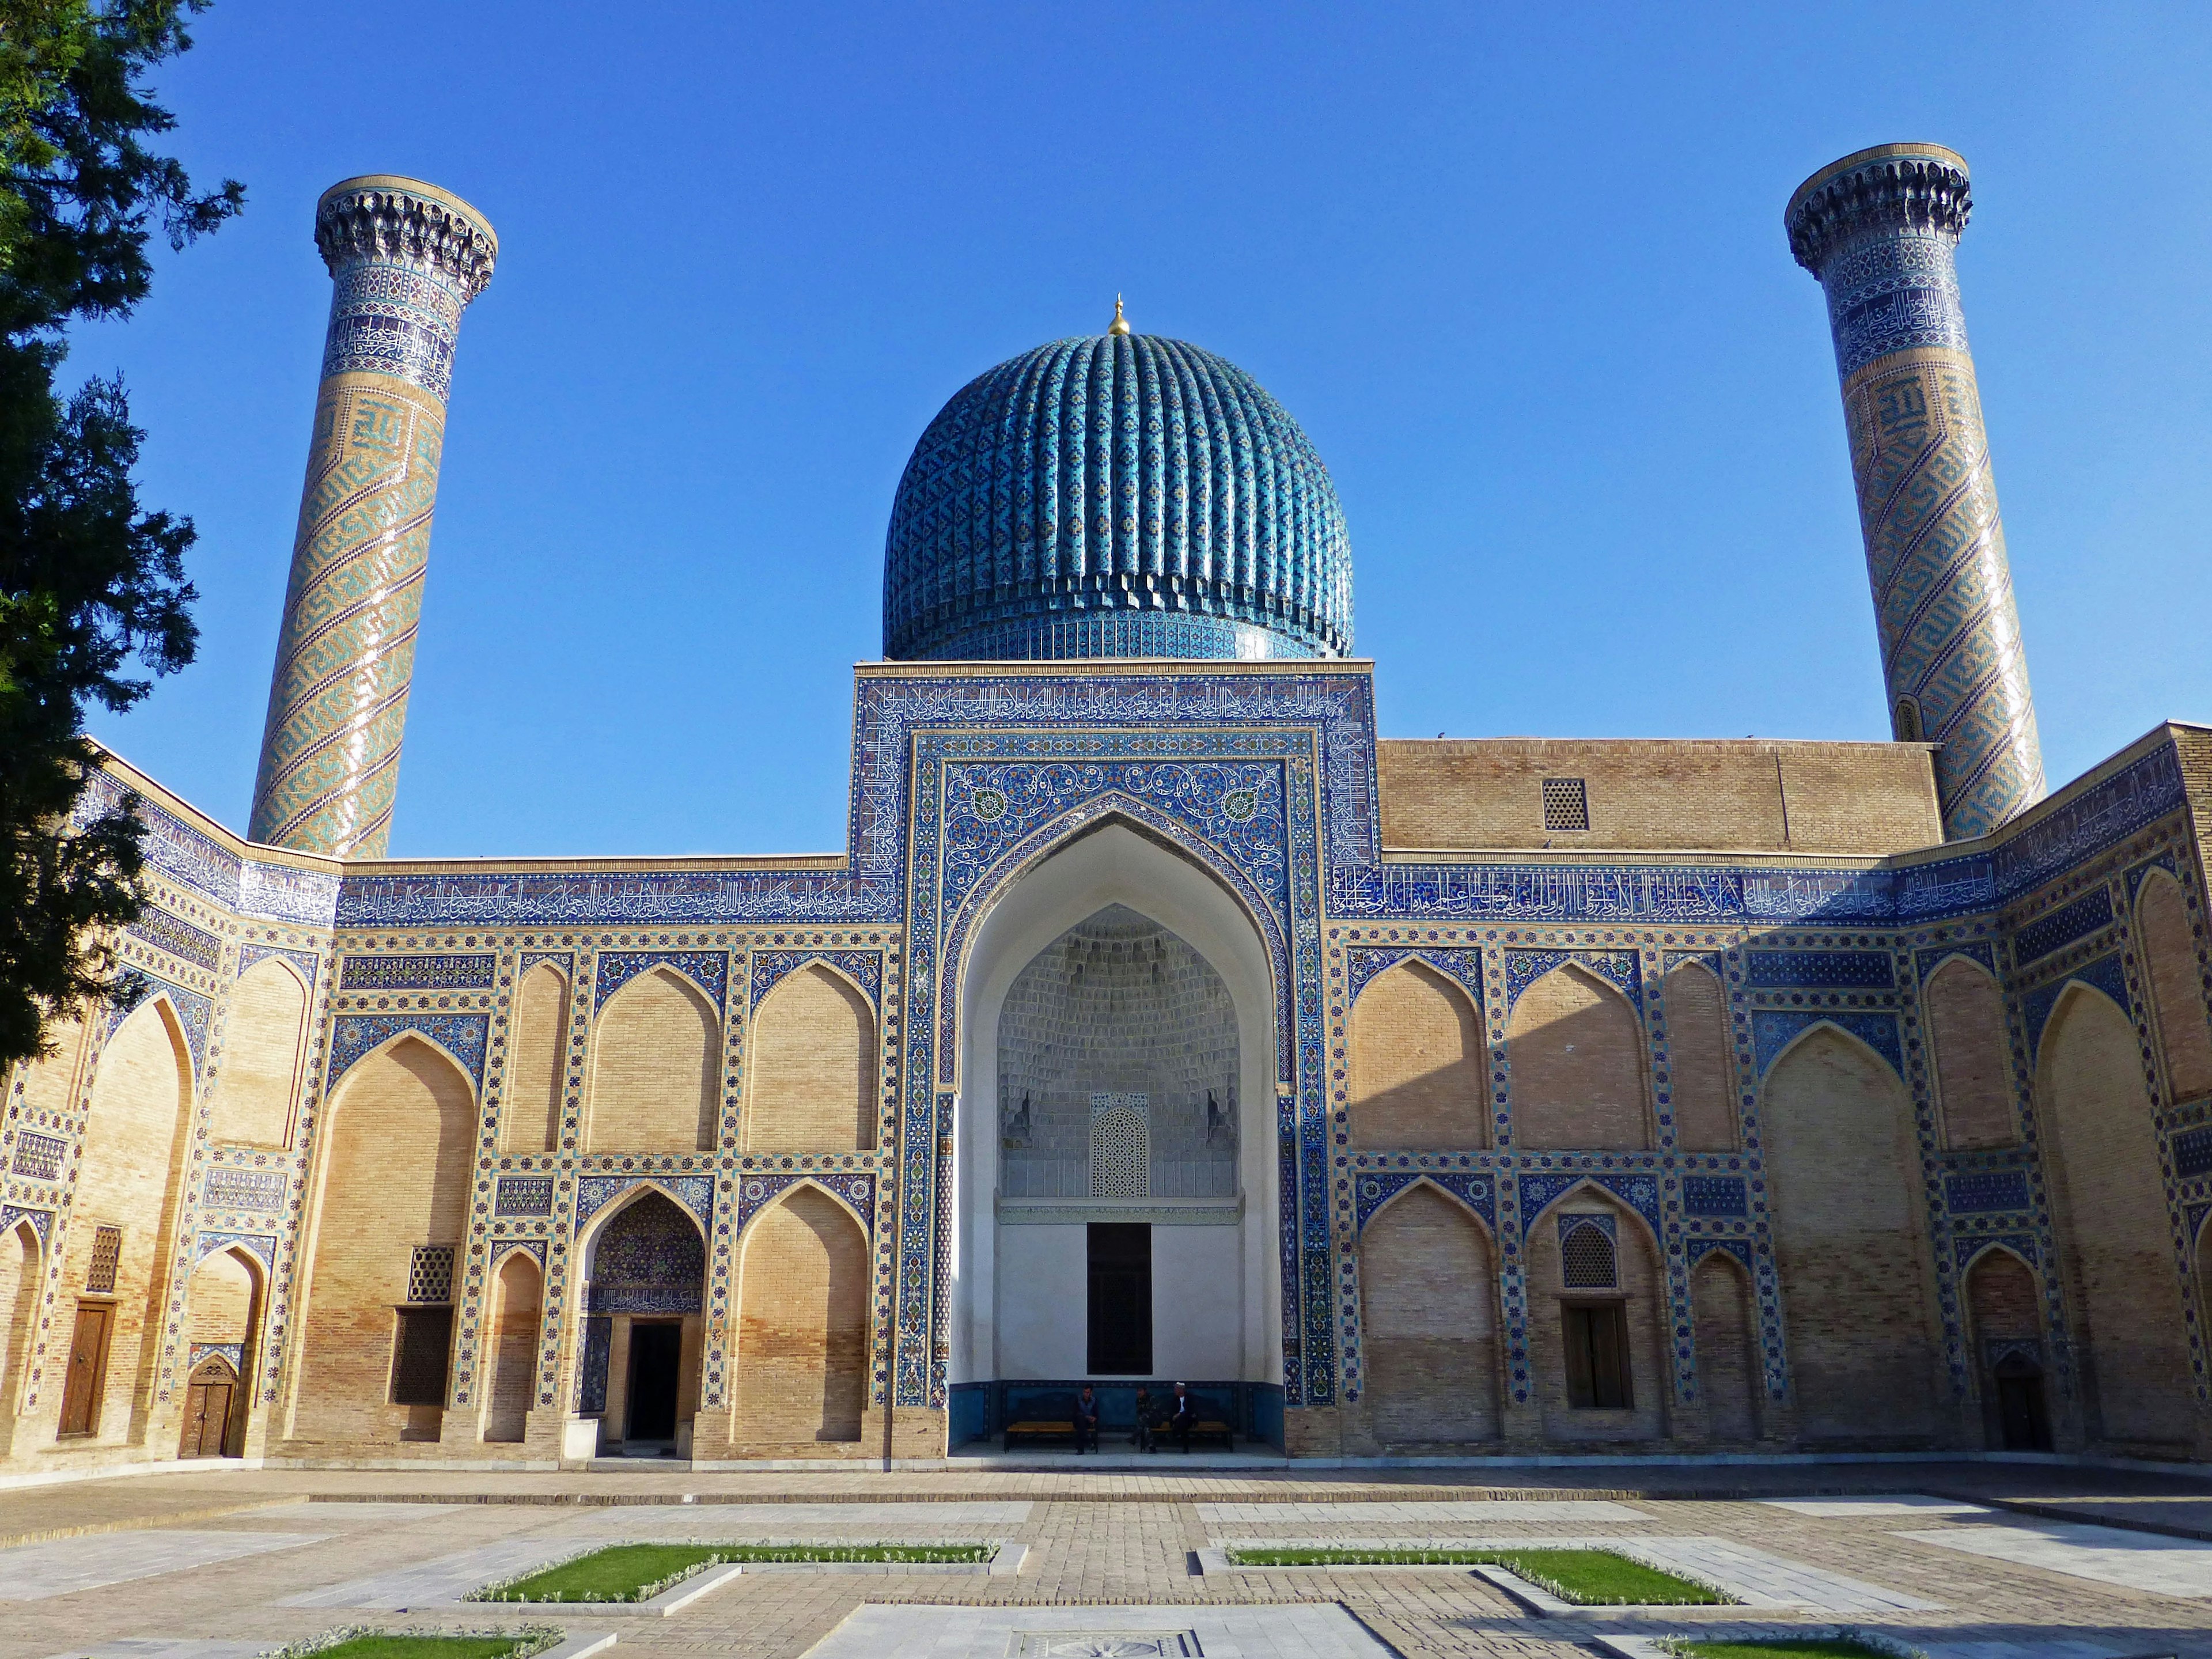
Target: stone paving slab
x: 32, y: 1572
x: 1933, y: 1645
x: 783, y: 1518
x: 1313, y: 1630
x: 166, y: 1647
x: 444, y: 1579
x: 1481, y: 1512
x: 2134, y: 1561
x: 1759, y: 1579
x: 1850, y: 1508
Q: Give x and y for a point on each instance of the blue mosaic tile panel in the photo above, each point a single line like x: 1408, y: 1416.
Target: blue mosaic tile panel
x: 1374, y: 1188
x: 1639, y: 1191
x: 1619, y: 969
x: 1965, y: 1248
x: 1722, y: 1196
x: 694, y: 1193
x: 1773, y: 1030
x: 1975, y: 1191
x: 591, y: 1365
x: 707, y: 970
x: 38, y: 1156
x: 2077, y: 919
x: 1362, y: 964
x: 1607, y: 1224
x: 192, y: 858
x: 195, y: 1012
x: 171, y: 932
x: 1925, y: 961
x: 523, y: 1195
x: 2105, y: 974
x: 261, y: 1191
x: 379, y: 973
x: 260, y: 1244
x: 2192, y: 1153
x: 651, y: 1258
x: 857, y: 1192
x: 303, y: 961
x: 462, y: 1036
x: 41, y: 1221
x: 2163, y: 861
x: 1738, y: 1248
x: 1864, y: 970
x: 864, y: 967
x: 1591, y: 893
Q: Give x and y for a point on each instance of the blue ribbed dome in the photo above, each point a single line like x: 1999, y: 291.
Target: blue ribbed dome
x: 1118, y: 495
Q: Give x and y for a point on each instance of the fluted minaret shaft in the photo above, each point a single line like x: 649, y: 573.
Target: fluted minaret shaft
x: 1879, y: 229
x: 405, y: 257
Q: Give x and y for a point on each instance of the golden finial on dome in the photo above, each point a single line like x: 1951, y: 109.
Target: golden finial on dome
x: 1120, y: 324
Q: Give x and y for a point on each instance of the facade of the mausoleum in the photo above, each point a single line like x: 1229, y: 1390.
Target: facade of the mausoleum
x: 1157, y: 1021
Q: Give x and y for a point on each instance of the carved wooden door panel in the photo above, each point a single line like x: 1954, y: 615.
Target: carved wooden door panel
x: 88, y: 1359
x: 207, y: 1420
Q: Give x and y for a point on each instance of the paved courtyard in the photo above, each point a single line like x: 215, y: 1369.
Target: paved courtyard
x: 1964, y: 1561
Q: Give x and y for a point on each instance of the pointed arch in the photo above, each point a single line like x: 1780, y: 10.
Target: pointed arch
x: 2115, y: 1252
x: 1574, y: 1324
x: 656, y: 1068
x: 399, y: 1147
x: 802, y: 1349
x: 2169, y: 947
x: 22, y: 1262
x: 587, y: 1237
x: 2005, y: 1348
x: 1418, y: 1074
x: 256, y: 1087
x: 1576, y: 1065
x: 1848, y: 1221
x: 517, y: 1298
x: 1428, y: 1299
x: 812, y: 1066
x: 1724, y: 1320
x: 1700, y: 1074
x: 530, y: 1116
x: 1974, y: 1072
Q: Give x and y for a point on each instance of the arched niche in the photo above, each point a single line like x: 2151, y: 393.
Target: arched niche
x: 1580, y: 1325
x: 511, y: 1356
x: 802, y: 1352
x: 1018, y: 1288
x: 1974, y: 1076
x: 1419, y: 1080
x: 2004, y: 1332
x: 1575, y: 1061
x: 644, y: 1297
x: 257, y: 1089
x: 21, y: 1266
x: 1723, y: 1312
x: 223, y: 1301
x: 1428, y: 1323
x: 2169, y: 953
x: 1702, y: 1080
x: 530, y: 1117
x: 811, y: 1075
x: 656, y: 1068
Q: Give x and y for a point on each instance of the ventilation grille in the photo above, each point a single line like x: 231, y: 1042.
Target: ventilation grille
x: 1587, y: 1255
x: 430, y: 1274
x: 1566, y: 803
x: 107, y: 1256
x: 1121, y: 1145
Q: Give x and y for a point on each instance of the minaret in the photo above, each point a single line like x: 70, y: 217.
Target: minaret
x: 1879, y: 229
x: 405, y: 257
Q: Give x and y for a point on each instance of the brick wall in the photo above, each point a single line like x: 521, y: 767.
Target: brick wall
x: 1575, y: 1063
x: 530, y: 1117
x: 1640, y: 1285
x: 1853, y: 798
x: 1702, y: 1083
x: 1728, y: 1378
x: 219, y: 1300
x: 802, y: 1326
x: 657, y: 1070
x: 813, y: 1063
x: 258, y: 1080
x: 2113, y: 1228
x: 2002, y: 1302
x: 1429, y: 1326
x: 1849, y: 1233
x: 396, y: 1174
x: 2170, y: 952
x: 1973, y: 1075
x: 20, y: 1264
x: 512, y: 1361
x: 1418, y: 1078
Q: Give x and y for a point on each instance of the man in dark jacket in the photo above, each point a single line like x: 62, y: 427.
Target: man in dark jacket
x: 1086, y: 1421
x: 1182, y: 1414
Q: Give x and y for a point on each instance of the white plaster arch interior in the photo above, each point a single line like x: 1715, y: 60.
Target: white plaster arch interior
x: 1114, y: 865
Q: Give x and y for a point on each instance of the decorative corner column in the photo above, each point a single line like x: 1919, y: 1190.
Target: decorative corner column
x: 1879, y: 229
x: 405, y: 258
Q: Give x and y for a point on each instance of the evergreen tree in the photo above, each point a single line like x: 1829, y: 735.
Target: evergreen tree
x: 92, y: 595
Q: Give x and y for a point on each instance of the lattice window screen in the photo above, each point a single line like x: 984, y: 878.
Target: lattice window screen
x: 1566, y: 803
x: 1121, y: 1145
x: 107, y: 1256
x: 1590, y: 1262
x: 430, y: 1275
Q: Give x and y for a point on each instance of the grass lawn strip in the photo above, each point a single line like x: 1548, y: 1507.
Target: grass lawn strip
x: 638, y: 1572
x: 1586, y: 1577
x: 367, y: 1642
x: 1816, y: 1648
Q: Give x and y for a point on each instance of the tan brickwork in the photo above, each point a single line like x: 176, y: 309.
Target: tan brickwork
x: 656, y: 1072
x: 2169, y: 953
x: 1848, y: 1231
x: 50, y: 1081
x: 1862, y: 797
x: 219, y: 1299
x: 1428, y: 1324
x: 1575, y: 1057
x: 1703, y: 1085
x: 259, y: 1082
x: 1418, y: 1078
x: 20, y: 1265
x: 1974, y: 1076
x: 2002, y: 1302
x: 802, y: 1326
x: 813, y: 1066
x: 396, y: 1174
x: 2125, y: 1297
x: 134, y: 1150
x: 530, y: 1117
x: 1641, y: 1286
x: 519, y: 1291
x: 1728, y: 1384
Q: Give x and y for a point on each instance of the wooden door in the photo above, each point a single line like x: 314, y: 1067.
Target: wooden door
x: 88, y: 1362
x: 207, y: 1416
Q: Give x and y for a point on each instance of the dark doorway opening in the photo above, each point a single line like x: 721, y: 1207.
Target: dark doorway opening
x: 2021, y: 1421
x: 656, y: 1354
x: 1597, y: 1356
x: 1121, y: 1299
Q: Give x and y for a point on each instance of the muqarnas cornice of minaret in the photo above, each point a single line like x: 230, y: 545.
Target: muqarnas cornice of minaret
x: 1887, y: 191
x: 384, y: 218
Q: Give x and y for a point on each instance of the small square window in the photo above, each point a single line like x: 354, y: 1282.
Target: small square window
x: 106, y: 1257
x: 1566, y: 803
x: 430, y: 1275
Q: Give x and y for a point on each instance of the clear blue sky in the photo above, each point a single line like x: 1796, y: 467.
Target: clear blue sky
x: 1519, y: 270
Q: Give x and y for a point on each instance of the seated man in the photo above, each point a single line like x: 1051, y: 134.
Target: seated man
x: 1086, y: 1420
x: 1182, y: 1413
x: 1144, y: 1420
